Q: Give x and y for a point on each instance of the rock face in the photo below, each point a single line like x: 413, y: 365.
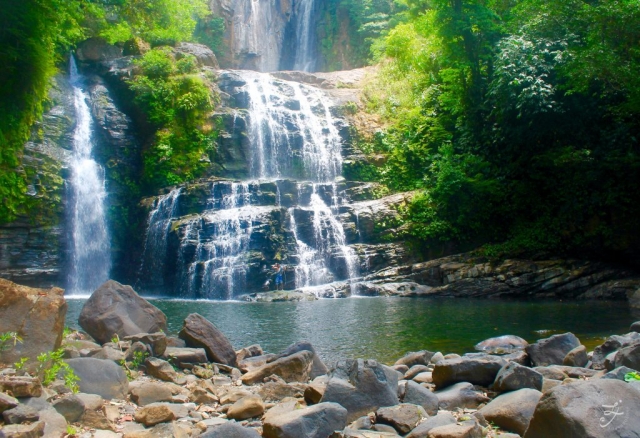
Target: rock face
x: 102, y: 377
x: 597, y: 408
x: 318, y: 421
x: 362, y: 386
x: 198, y: 332
x: 118, y: 309
x: 36, y: 315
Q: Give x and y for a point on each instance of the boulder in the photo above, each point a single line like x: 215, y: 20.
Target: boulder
x: 277, y: 391
x: 460, y: 395
x: 424, y: 378
x: 551, y: 373
x: 502, y: 345
x: 101, y: 377
x: 317, y: 421
x: 596, y: 408
x: 7, y: 402
x: 97, y: 49
x: 294, y: 368
x: 161, y: 369
x: 182, y: 357
x: 198, y: 332
x: 513, y: 377
x: 423, y: 429
x: 231, y: 430
x: 245, y: 408
x: 318, y: 368
x: 202, y: 53
x: 512, y: 411
x: 314, y: 392
x: 611, y: 345
x: 477, y: 370
x: 154, y: 414
x: 415, y: 370
x: 20, y: 414
x: 576, y: 357
x: 157, y: 341
x: 403, y: 417
x: 415, y: 358
x: 21, y: 386
x: 32, y: 430
x: 70, y: 407
x: 362, y: 386
x: 250, y: 351
x: 552, y: 350
x: 115, y: 309
x: 635, y: 327
x: 618, y: 373
x: 629, y: 357
x: 36, y: 315
x: 411, y: 392
x: 466, y: 429
x: 150, y: 392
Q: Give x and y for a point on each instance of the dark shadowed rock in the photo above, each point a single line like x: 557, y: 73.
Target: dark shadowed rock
x: 576, y: 357
x: 411, y: 392
x: 460, y: 395
x: 318, y: 368
x: 603, y: 408
x: 415, y: 358
x: 552, y: 350
x: 513, y: 377
x: 423, y: 429
x: 20, y: 414
x: 231, y: 430
x: 115, y: 309
x: 502, y: 345
x: 477, y: 370
x: 23, y: 430
x: 362, y: 386
x: 294, y: 368
x: 629, y: 357
x: 157, y: 341
x: 198, y: 332
x: 101, y: 377
x: 7, y: 402
x: 70, y: 407
x: 611, y: 345
x: 403, y: 417
x: 36, y: 315
x: 635, y: 327
x: 512, y: 411
x: 317, y: 421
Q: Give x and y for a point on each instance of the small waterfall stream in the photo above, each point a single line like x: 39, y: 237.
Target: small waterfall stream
x: 90, y: 248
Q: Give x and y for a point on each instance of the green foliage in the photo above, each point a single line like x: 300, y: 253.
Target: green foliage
x: 51, y: 365
x: 210, y: 31
x: 177, y: 102
x: 9, y: 340
x: 131, y: 367
x: 632, y: 377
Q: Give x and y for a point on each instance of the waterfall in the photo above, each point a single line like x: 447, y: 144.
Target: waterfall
x: 305, y: 59
x: 90, y: 249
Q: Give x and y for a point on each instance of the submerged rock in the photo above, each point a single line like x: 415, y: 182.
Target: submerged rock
x: 502, y: 345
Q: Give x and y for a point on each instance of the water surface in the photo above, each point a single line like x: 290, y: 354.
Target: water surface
x: 386, y: 328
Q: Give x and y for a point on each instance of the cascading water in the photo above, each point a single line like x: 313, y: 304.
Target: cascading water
x: 90, y: 248
x: 305, y: 59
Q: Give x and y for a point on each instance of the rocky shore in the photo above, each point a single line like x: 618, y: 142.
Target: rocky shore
x: 136, y: 380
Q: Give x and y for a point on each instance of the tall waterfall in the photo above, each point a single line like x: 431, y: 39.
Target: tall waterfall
x: 90, y: 249
x: 306, y: 56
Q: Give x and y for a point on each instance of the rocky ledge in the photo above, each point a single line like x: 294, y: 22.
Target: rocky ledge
x: 136, y: 384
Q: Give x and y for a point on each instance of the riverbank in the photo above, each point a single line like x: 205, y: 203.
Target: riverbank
x: 197, y: 384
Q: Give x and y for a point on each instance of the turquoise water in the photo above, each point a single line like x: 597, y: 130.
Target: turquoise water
x: 387, y: 328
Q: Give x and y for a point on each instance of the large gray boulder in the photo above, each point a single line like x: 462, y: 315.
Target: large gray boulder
x: 602, y: 408
x: 198, y: 332
x: 318, y: 368
x: 461, y: 395
x: 362, y: 386
x: 202, y: 53
x: 116, y: 309
x: 513, y: 377
x: 505, y: 344
x: 102, y: 377
x: 477, y: 370
x: 411, y: 392
x: 611, y: 345
x: 552, y: 350
x: 577, y: 357
x: 442, y: 419
x: 36, y: 315
x: 403, y: 417
x: 512, y: 411
x: 231, y: 430
x: 629, y: 357
x: 317, y: 421
x: 294, y: 368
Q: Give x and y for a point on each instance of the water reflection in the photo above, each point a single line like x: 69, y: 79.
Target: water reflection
x: 386, y: 328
